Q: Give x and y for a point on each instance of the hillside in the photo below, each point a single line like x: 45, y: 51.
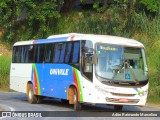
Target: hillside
x: 5, y: 59
x: 4, y: 50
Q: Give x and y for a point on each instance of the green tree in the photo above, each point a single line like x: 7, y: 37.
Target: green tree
x: 123, y: 4
x: 68, y: 6
x: 38, y: 16
x: 151, y: 5
x: 129, y: 5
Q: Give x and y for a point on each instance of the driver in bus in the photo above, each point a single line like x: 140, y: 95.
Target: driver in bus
x: 127, y: 64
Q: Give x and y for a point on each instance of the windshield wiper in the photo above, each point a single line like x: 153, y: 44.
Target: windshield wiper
x: 129, y: 82
x: 121, y: 82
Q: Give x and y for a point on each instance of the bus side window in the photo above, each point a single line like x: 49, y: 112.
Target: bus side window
x: 62, y: 54
x: 39, y: 53
x: 16, y: 54
x: 75, y: 58
x: 57, y: 51
x: 30, y: 54
x: 68, y: 52
x: 24, y: 54
x: 49, y: 48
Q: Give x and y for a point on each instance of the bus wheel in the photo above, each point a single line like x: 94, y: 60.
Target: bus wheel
x: 31, y: 97
x: 77, y: 105
x: 118, y: 107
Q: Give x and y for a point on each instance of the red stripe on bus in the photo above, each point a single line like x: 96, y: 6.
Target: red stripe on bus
x: 76, y: 83
x: 35, y: 83
x: 72, y: 37
x: 33, y: 41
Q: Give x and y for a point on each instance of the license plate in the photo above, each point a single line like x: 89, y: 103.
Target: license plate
x: 123, y: 100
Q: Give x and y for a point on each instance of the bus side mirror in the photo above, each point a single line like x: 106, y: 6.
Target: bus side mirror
x: 95, y: 59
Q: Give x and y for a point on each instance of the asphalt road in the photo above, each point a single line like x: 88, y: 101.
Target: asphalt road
x: 17, y: 102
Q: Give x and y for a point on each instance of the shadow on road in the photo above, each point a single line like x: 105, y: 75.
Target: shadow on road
x: 22, y: 98
x: 85, y: 107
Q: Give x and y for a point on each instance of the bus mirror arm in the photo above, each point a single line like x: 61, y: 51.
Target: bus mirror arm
x: 95, y: 59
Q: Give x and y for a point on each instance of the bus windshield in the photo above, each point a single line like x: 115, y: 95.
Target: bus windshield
x: 120, y: 63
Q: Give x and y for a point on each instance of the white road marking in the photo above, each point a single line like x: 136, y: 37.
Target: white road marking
x: 3, y: 112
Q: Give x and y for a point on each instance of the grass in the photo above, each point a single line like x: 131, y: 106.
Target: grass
x: 153, y: 56
x: 4, y: 72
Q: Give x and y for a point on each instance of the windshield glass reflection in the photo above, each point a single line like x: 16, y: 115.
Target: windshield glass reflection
x: 121, y: 63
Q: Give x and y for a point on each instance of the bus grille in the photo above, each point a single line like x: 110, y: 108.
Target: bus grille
x: 126, y: 95
x: 116, y: 100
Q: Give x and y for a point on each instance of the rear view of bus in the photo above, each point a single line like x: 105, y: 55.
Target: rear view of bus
x: 81, y: 68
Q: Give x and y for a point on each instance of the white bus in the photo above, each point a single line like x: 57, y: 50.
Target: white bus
x: 81, y: 68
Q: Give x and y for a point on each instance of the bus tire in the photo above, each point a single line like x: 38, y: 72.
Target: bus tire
x: 31, y: 97
x: 118, y: 107
x: 77, y: 105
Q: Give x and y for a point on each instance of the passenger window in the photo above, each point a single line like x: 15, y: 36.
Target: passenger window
x: 68, y: 52
x: 17, y: 54
x: 57, y: 52
x: 14, y: 55
x: 49, y: 48
x: 75, y: 58
x: 39, y: 53
x: 62, y: 53
x: 31, y: 54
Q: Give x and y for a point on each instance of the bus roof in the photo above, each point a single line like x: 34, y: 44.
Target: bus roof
x: 77, y: 36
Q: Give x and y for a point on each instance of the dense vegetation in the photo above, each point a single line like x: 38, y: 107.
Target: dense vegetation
x: 4, y: 72
x: 138, y: 19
